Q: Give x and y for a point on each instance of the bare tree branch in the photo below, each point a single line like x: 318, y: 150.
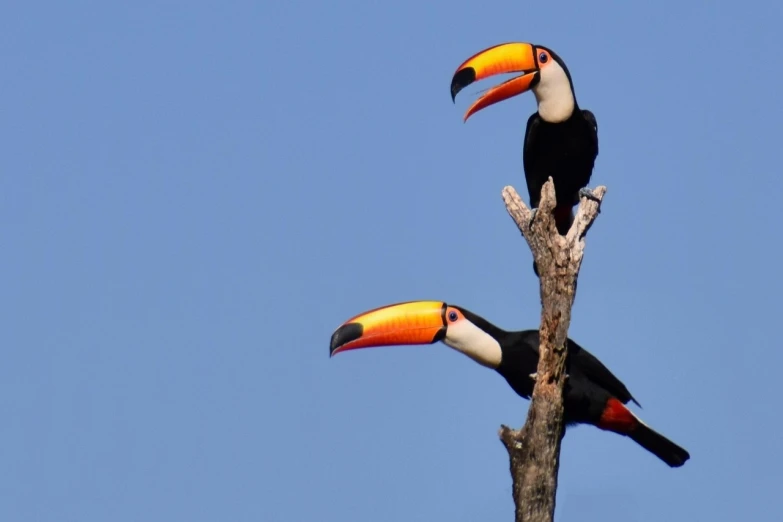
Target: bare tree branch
x: 534, y: 451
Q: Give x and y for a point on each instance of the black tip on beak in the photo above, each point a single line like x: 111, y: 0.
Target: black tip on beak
x: 344, y: 335
x: 462, y: 79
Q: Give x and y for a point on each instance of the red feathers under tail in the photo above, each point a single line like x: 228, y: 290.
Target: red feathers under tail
x: 564, y: 217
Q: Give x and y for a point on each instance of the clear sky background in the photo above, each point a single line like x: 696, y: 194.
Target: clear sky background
x: 194, y: 195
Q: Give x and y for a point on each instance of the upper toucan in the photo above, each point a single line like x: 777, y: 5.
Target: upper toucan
x: 561, y: 140
x: 592, y: 394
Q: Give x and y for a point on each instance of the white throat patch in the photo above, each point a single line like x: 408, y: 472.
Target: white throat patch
x: 467, y: 338
x: 553, y: 94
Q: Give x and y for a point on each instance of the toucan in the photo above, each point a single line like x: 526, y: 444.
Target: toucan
x: 592, y: 394
x: 561, y: 140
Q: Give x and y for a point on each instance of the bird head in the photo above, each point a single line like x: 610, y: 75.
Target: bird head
x: 542, y: 70
x: 420, y: 323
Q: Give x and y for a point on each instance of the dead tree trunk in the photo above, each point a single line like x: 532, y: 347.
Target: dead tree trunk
x: 534, y: 451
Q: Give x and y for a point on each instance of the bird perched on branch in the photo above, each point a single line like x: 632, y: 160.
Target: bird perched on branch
x: 561, y: 140
x: 592, y: 394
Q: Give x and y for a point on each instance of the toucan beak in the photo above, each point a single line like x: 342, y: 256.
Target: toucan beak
x: 415, y: 322
x: 500, y: 59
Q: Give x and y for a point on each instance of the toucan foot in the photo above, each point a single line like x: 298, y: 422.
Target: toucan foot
x: 532, y: 218
x: 585, y: 192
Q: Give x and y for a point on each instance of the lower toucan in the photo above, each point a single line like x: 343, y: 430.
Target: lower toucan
x: 592, y: 394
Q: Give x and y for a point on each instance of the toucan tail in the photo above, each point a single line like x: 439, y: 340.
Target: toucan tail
x: 564, y: 218
x: 660, y: 446
x: 619, y: 419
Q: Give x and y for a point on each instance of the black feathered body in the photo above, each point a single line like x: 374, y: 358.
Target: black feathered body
x: 566, y: 151
x: 589, y: 386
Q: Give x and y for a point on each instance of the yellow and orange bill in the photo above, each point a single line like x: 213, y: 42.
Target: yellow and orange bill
x: 412, y: 322
x: 500, y: 59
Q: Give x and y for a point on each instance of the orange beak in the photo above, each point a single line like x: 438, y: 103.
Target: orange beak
x: 415, y: 322
x: 500, y: 59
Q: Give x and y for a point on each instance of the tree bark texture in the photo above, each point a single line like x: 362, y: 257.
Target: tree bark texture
x: 534, y: 451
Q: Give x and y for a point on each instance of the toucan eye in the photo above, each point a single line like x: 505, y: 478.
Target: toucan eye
x: 543, y: 57
x: 452, y: 316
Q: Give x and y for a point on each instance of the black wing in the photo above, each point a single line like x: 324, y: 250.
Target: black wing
x: 590, y: 117
x: 529, y: 149
x: 595, y: 370
x: 520, y: 359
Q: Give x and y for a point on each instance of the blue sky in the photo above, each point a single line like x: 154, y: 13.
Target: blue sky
x: 194, y: 195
